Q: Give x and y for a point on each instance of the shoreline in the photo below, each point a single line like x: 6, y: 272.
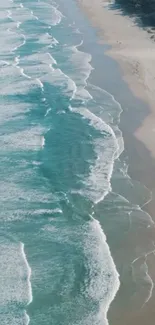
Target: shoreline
x: 137, y: 123
x: 135, y: 58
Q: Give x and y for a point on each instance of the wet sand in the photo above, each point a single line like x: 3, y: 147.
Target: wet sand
x: 133, y: 49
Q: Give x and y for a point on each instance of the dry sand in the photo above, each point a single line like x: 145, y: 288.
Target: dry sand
x: 135, y: 51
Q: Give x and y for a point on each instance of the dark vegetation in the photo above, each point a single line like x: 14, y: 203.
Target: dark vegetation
x: 144, y: 10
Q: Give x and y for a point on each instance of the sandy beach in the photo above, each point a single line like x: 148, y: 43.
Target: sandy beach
x: 134, y: 49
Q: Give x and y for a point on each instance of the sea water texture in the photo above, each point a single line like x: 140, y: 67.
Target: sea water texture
x: 59, y: 140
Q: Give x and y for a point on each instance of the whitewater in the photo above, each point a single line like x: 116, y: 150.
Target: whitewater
x: 59, y: 143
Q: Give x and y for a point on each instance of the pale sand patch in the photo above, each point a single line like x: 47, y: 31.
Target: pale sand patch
x: 135, y: 51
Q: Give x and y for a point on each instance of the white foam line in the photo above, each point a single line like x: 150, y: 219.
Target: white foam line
x: 51, y: 67
x: 78, y: 45
x: 110, y: 95
x: 149, y: 278
x: 130, y: 220
x: 139, y: 208
x: 17, y: 59
x: 77, y: 31
x: 9, y: 15
x: 116, y: 285
x: 136, y: 259
x: 152, y: 286
x: 24, y: 74
x: 32, y: 14
x: 121, y: 197
x: 147, y: 274
x: 18, y: 24
x: 51, y: 57
x: 101, y: 198
x: 40, y: 84
x: 148, y: 215
x: 20, y: 45
x: 21, y: 5
x: 42, y: 142
x: 29, y: 273
x: 74, y: 89
x: 54, y: 42
x: 149, y: 200
x: 48, y: 110
x: 132, y: 267
x: 24, y: 37
x: 75, y: 50
x: 27, y: 318
x: 58, y: 18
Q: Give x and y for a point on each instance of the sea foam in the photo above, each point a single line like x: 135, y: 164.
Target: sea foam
x: 103, y: 278
x: 47, y: 13
x: 15, y: 281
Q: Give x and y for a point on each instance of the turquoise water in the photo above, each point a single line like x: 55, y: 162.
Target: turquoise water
x: 59, y: 139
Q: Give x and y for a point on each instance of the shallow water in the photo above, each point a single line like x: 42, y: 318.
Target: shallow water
x: 60, y: 146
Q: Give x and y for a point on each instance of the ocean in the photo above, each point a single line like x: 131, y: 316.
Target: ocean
x: 68, y: 206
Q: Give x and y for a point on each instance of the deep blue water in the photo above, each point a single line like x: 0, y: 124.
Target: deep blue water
x: 59, y: 139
